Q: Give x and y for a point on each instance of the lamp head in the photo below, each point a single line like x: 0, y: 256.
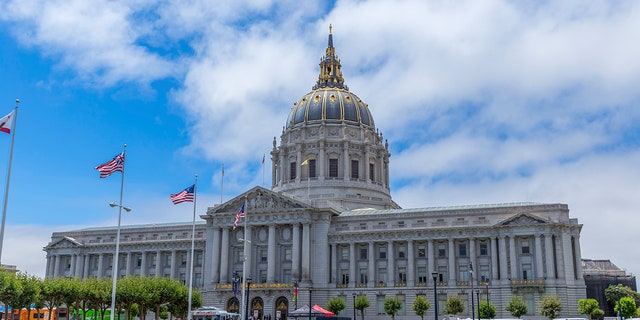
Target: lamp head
x: 112, y: 205
x: 127, y: 209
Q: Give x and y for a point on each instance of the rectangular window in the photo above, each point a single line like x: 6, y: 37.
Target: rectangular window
x: 462, y: 249
x: 312, y: 168
x: 344, y: 253
x: 463, y: 273
x: 382, y: 252
x: 442, y: 273
x: 527, y: 272
x: 363, y: 253
x: 442, y: 250
x: 139, y: 261
x: 484, y: 249
x: 380, y: 305
x: 422, y: 252
x: 422, y: 274
x: 263, y: 255
x: 402, y: 252
x: 292, y: 170
x: 263, y: 276
x: 382, y: 275
x: 483, y: 272
x: 402, y: 275
x: 364, y: 275
x: 183, y: 259
x: 354, y: 169
x: 344, y: 276
x: 333, y: 168
x: 287, y: 254
x: 525, y: 247
x: 168, y: 261
x: 199, y: 257
x: 372, y: 171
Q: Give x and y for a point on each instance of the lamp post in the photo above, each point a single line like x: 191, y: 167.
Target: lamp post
x: 473, y: 311
x: 488, y: 308
x: 310, y: 290
x: 236, y: 280
x: 246, y: 305
x: 618, y: 302
x: 354, y: 305
x: 114, y: 271
x: 435, y: 294
x: 478, y: 300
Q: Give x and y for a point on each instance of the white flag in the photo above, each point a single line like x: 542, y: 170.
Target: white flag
x: 5, y: 123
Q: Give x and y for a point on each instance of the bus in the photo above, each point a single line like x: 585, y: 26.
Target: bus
x: 213, y: 313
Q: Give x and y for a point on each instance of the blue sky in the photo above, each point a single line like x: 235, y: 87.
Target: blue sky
x: 482, y: 102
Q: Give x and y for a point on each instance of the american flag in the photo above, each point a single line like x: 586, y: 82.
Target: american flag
x: 111, y: 166
x: 238, y: 216
x: 186, y: 195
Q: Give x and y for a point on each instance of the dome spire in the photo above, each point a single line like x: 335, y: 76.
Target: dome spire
x: 330, y: 67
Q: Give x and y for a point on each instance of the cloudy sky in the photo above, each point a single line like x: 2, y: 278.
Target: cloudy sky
x: 482, y: 102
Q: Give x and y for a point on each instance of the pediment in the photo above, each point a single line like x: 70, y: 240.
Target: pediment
x: 64, y: 243
x: 259, y: 199
x: 522, y: 219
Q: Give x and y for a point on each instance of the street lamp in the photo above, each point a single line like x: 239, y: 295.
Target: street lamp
x: 435, y: 293
x: 310, y: 290
x: 488, y: 309
x: 354, y: 305
x: 478, y: 299
x: 473, y: 311
x: 236, y: 281
x: 246, y: 305
x: 618, y: 302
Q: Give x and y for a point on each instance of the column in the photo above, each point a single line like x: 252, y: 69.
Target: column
x: 539, y: 268
x: 577, y: 257
x: 548, y: 253
x: 503, y: 257
x: 85, y: 271
x: 391, y: 265
x: 352, y: 265
x: 271, y: 254
x: 452, y: 262
x: 513, y: 259
x: 56, y: 266
x: 143, y: 264
x: 283, y: 169
x: 372, y: 264
x: 222, y: 260
x: 431, y: 258
x: 345, y: 156
x: 72, y: 271
x: 174, y: 264
x: 295, y: 254
x: 306, y: 247
x: 411, y: 267
x: 127, y: 264
x: 334, y: 264
x: 567, y: 256
x: 159, y: 264
x: 493, y: 244
x: 212, y: 255
x: 321, y: 160
x: 100, y: 266
x: 299, y: 160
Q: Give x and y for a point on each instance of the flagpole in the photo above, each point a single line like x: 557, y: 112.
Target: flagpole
x: 6, y: 188
x: 193, y: 246
x: 263, y: 170
x: 244, y: 265
x: 222, y: 184
x: 114, y: 271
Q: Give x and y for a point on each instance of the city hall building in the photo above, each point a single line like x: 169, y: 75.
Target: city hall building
x: 328, y: 227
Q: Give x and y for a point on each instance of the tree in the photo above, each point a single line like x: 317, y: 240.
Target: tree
x: 588, y: 307
x: 420, y: 306
x: 362, y: 303
x: 627, y: 307
x: 454, y: 305
x: 614, y: 295
x: 516, y: 307
x: 550, y: 307
x: 391, y: 306
x: 487, y: 310
x: 335, y: 305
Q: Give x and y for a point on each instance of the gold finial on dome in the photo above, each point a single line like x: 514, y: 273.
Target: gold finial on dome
x: 330, y: 27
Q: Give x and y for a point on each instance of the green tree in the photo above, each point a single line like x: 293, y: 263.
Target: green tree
x: 362, y: 303
x: 516, y: 306
x: 588, y: 307
x: 453, y: 305
x: 10, y: 290
x: 550, y: 307
x: 391, y: 306
x: 627, y: 307
x: 613, y: 295
x: 335, y: 305
x: 420, y: 306
x: 487, y: 310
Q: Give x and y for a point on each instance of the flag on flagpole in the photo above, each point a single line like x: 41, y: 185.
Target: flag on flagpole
x: 5, y: 123
x: 238, y: 216
x: 111, y: 166
x: 186, y: 195
x: 263, y: 158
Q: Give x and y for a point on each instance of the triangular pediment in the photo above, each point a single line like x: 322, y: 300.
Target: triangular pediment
x: 522, y: 219
x: 259, y: 200
x: 66, y: 242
